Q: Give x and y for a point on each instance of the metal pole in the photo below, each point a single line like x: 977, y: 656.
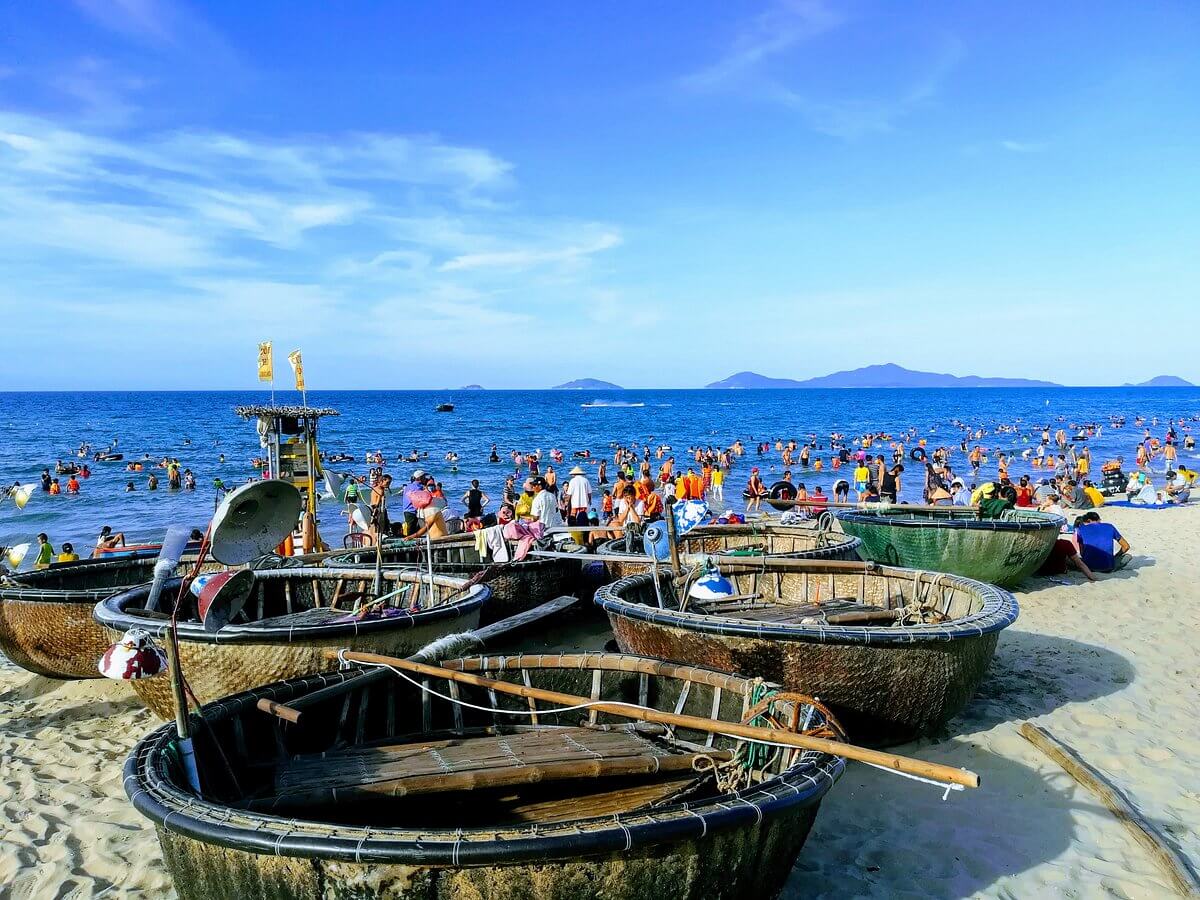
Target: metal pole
x: 671, y: 539
x: 187, y: 754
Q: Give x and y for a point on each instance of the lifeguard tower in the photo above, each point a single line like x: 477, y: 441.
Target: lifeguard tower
x: 288, y: 434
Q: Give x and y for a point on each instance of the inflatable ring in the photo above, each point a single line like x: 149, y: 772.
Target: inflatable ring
x: 781, y: 490
x: 917, y: 454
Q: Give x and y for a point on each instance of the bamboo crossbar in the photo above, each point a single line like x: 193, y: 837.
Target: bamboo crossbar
x: 907, y: 765
x: 293, y: 711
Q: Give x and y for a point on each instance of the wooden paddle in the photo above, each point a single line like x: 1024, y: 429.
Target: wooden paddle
x: 907, y: 765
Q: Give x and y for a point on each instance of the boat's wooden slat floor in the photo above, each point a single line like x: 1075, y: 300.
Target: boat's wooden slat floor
x: 477, y: 763
x: 782, y: 613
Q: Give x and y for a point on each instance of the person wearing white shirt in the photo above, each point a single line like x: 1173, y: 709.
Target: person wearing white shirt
x: 579, y: 498
x: 545, y: 505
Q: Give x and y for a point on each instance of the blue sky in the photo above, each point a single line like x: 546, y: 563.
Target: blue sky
x: 428, y: 195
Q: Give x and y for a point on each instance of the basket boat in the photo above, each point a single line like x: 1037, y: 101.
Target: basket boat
x: 999, y: 551
x: 887, y: 679
x: 291, y: 618
x: 516, y: 586
x: 339, y: 806
x: 46, y: 623
x: 793, y: 542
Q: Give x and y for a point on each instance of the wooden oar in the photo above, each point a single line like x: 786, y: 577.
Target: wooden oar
x: 907, y: 765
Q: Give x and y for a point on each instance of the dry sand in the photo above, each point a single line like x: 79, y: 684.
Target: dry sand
x: 1110, y: 668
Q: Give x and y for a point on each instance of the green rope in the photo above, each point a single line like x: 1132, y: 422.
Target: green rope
x: 755, y: 756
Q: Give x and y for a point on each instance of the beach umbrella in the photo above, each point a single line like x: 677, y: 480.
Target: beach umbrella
x: 22, y: 494
x: 15, y: 555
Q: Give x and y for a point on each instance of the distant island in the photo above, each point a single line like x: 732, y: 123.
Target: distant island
x: 472, y: 387
x: 587, y: 384
x: 1164, y: 381
x: 888, y: 375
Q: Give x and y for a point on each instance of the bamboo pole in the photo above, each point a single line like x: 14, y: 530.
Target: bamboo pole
x: 467, y: 642
x: 1178, y: 869
x: 907, y: 765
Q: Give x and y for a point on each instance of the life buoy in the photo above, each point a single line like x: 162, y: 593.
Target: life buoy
x: 781, y: 490
x: 917, y: 455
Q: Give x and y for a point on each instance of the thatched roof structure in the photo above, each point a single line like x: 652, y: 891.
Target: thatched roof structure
x: 284, y: 412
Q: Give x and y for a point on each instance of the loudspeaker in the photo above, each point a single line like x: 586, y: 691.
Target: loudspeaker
x: 253, y: 520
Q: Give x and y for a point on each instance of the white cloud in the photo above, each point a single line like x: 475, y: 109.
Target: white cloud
x: 306, y: 240
x: 1024, y: 146
x: 528, y: 257
x: 760, y: 65
x: 780, y: 28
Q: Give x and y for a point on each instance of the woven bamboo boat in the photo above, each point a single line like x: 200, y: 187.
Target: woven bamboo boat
x: 888, y: 678
x: 386, y: 791
x: 516, y: 586
x: 793, y: 542
x: 956, y: 540
x: 46, y: 623
x: 291, y: 618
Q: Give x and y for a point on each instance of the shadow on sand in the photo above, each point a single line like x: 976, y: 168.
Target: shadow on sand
x: 1038, y: 583
x: 1033, y: 674
x: 877, y: 834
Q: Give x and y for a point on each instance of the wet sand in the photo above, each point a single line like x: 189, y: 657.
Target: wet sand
x: 1110, y: 668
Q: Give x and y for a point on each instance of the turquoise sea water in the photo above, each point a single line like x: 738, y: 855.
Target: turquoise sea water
x: 36, y: 429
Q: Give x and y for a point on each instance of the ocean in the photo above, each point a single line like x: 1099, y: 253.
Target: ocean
x: 36, y: 429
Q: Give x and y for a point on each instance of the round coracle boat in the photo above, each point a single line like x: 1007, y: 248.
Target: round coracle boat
x: 516, y: 586
x: 952, y: 539
x: 895, y: 653
x: 46, y: 623
x: 382, y: 790
x: 790, y: 541
x: 290, y: 619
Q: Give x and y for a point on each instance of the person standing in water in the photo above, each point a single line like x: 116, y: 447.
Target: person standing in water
x: 475, y: 500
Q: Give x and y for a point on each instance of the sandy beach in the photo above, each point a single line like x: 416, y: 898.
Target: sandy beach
x: 1109, y: 668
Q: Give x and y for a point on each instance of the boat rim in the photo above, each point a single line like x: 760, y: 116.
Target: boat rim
x: 111, y: 612
x: 999, y: 610
x: 896, y: 516
x: 15, y: 586
x: 155, y: 795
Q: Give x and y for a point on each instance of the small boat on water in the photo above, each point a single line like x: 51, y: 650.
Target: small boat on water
x: 383, y: 790
x: 290, y: 618
x: 445, y: 407
x: 515, y: 586
x: 46, y: 623
x: 956, y: 540
x: 738, y: 541
x: 893, y: 652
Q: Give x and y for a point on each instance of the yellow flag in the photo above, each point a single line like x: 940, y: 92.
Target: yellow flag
x: 298, y: 368
x: 266, y: 364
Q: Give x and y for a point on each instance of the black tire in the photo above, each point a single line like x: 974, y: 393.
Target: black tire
x: 781, y: 490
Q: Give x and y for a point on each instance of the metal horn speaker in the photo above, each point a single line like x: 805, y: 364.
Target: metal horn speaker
x: 253, y: 520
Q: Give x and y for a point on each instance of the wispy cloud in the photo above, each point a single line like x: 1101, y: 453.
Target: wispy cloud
x: 383, y: 229
x: 780, y: 28
x: 528, y: 257
x: 1025, y: 146
x: 759, y: 66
